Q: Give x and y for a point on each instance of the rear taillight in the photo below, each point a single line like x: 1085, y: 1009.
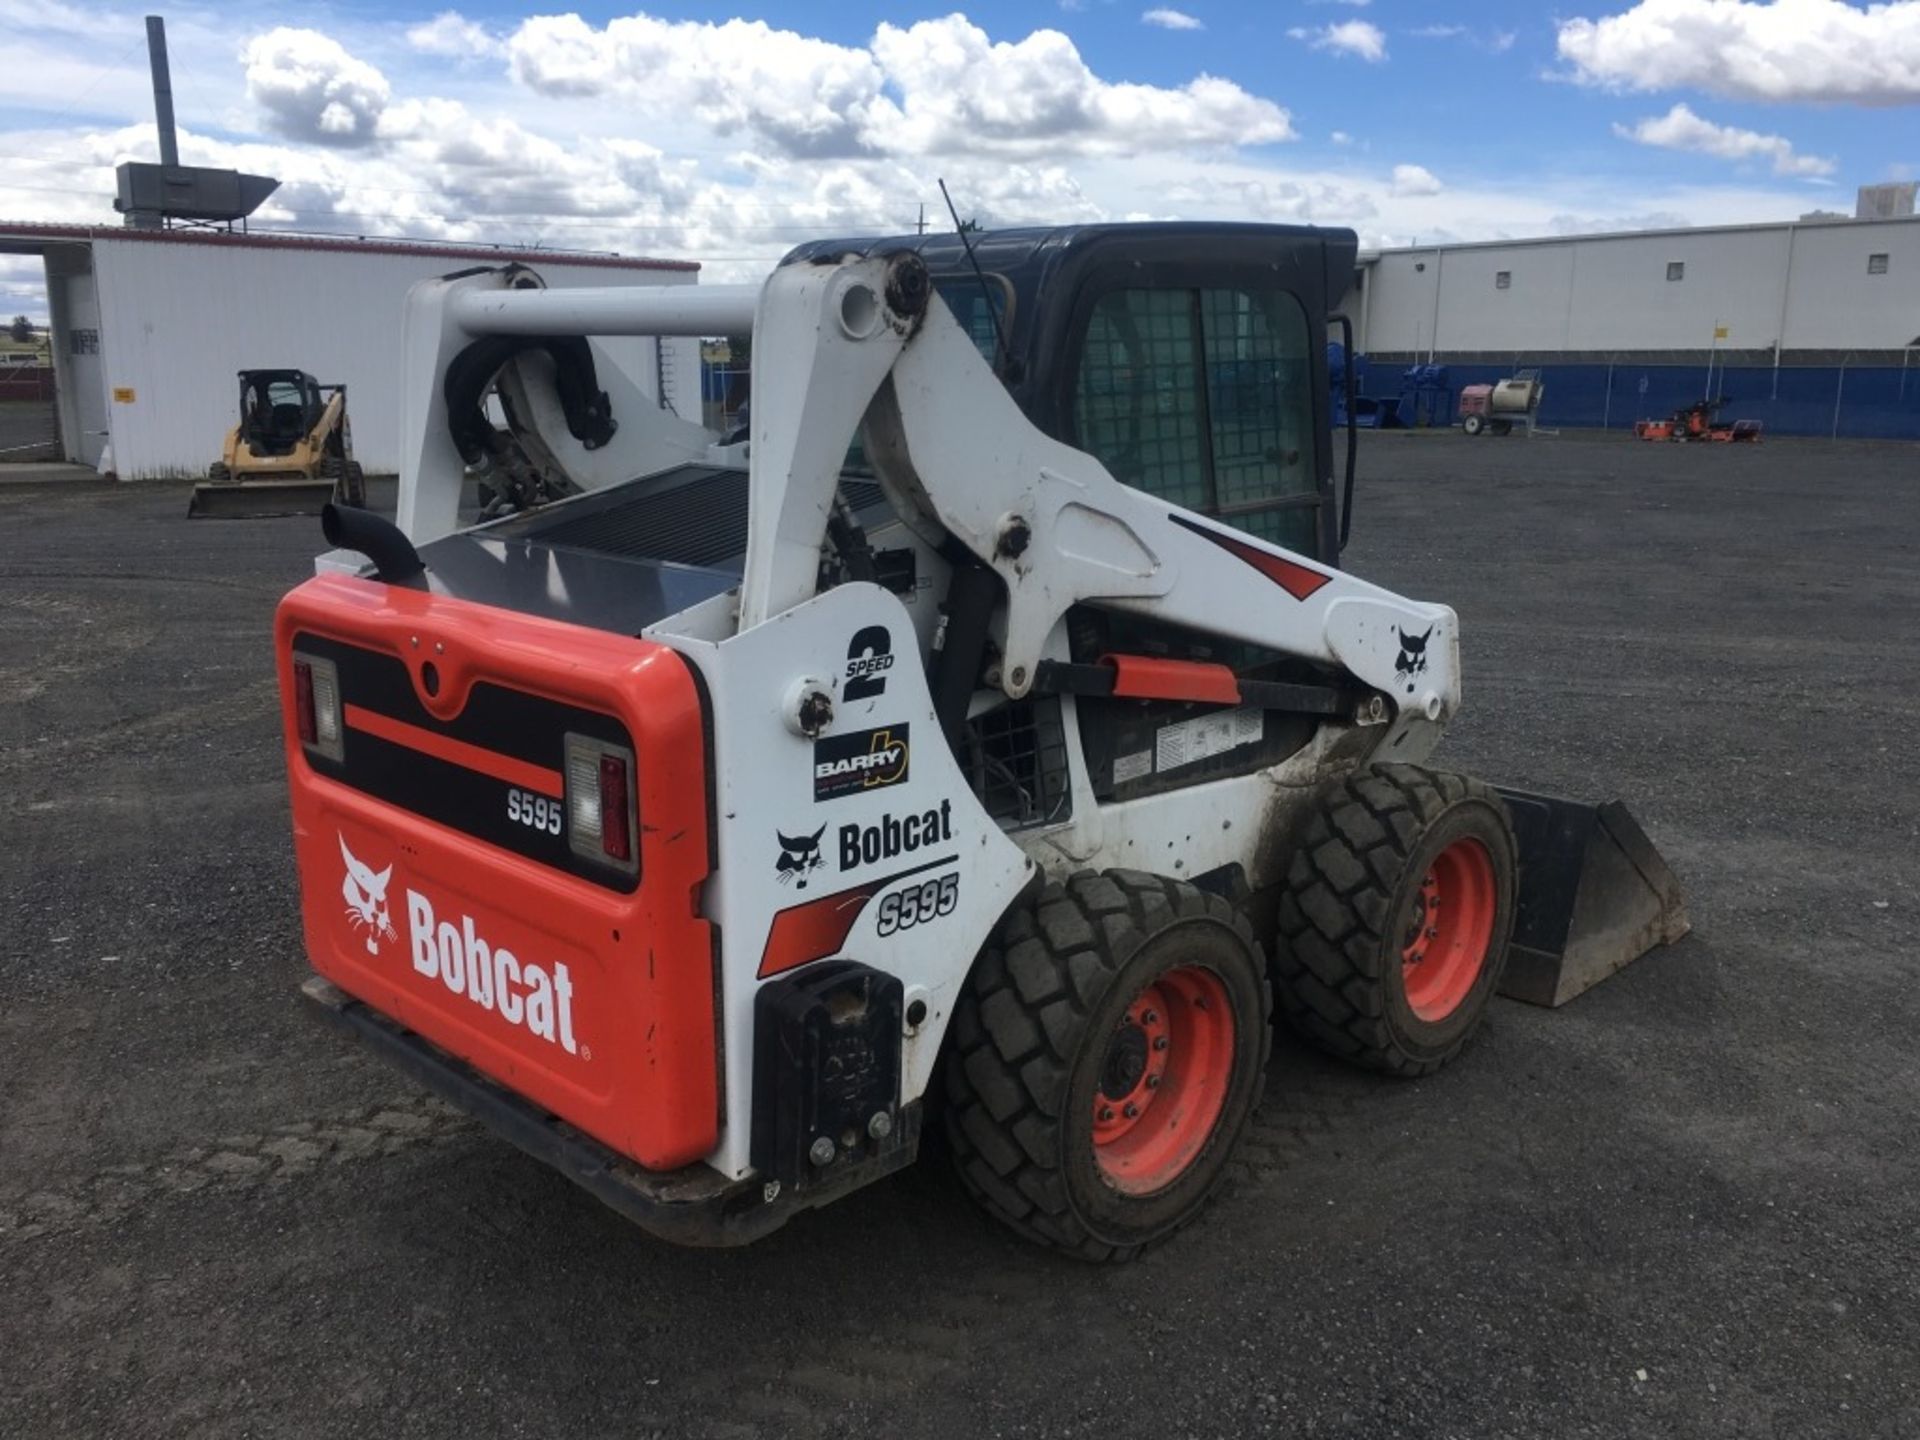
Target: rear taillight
x: 602, y: 809
x: 303, y: 701
x: 616, y: 835
x: 316, y: 705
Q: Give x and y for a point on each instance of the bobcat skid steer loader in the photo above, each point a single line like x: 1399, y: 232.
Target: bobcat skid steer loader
x: 991, y: 742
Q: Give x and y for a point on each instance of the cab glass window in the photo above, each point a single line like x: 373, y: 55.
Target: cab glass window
x: 1205, y: 398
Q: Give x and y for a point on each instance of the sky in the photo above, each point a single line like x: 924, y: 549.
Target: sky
x: 727, y: 133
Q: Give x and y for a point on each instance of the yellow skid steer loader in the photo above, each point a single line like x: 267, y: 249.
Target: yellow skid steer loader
x: 290, y: 454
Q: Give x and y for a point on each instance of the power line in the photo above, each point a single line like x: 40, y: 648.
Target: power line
x: 508, y: 176
x: 629, y: 220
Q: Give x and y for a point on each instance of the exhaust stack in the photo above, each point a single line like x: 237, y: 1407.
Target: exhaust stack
x: 162, y: 89
x: 153, y: 197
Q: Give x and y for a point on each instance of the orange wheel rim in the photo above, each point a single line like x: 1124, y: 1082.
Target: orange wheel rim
x: 1163, y: 1081
x: 1449, y: 930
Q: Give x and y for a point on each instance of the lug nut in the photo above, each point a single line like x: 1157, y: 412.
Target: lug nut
x: 1132, y: 1111
x: 1106, y: 1112
x: 822, y: 1151
x: 1153, y: 1082
x: 881, y: 1125
x: 1159, y: 1042
x: 1149, y: 1017
x: 1432, y: 934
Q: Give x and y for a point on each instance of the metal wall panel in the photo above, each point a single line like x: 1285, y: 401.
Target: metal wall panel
x: 1803, y: 286
x: 178, y: 320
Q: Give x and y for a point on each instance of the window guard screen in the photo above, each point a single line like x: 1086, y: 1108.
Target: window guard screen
x: 1204, y: 398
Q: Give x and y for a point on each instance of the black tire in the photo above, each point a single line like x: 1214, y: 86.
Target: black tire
x: 356, y: 485
x: 1357, y: 886
x: 1035, y: 1036
x: 1503, y: 427
x: 219, y: 473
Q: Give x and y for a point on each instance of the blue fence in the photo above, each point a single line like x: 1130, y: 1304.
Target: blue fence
x: 1847, y: 402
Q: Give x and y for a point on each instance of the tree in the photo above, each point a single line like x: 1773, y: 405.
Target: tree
x: 21, y: 330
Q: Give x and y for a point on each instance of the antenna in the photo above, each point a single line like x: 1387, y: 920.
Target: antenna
x: 986, y: 290
x: 162, y: 89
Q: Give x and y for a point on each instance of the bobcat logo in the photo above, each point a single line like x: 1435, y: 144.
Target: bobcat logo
x: 798, y: 857
x: 1413, y: 653
x: 366, y: 896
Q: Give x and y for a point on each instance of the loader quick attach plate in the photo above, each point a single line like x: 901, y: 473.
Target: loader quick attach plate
x: 1594, y: 896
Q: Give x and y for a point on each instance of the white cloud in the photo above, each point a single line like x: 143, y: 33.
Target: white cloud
x: 1415, y: 180
x: 1613, y: 224
x: 312, y: 89
x: 1171, y: 20
x: 1497, y: 42
x: 1802, y: 50
x: 934, y: 87
x: 1341, y: 137
x: 1349, y: 37
x: 454, y: 36
x: 1024, y: 133
x: 1681, y: 129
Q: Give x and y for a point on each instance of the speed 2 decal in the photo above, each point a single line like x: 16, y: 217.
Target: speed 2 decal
x: 869, y: 657
x: 917, y: 904
x: 859, y: 761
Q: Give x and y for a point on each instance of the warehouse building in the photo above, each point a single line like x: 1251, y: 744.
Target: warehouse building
x: 1812, y: 327
x: 149, y: 327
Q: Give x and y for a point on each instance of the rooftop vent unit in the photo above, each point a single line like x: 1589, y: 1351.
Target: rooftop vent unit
x: 1885, y: 202
x: 153, y: 197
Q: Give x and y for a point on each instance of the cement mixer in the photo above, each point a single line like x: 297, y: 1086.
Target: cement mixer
x: 1502, y: 405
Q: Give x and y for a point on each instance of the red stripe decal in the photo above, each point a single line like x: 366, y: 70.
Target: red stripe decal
x: 504, y: 768
x: 1296, y: 579
x: 818, y: 928
x: 1144, y: 677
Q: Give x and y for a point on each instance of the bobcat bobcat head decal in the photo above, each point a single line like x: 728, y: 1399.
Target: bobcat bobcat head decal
x: 799, y: 857
x: 1413, y: 653
x: 366, y: 896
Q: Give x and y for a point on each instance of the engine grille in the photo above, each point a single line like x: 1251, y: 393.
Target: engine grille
x: 696, y: 515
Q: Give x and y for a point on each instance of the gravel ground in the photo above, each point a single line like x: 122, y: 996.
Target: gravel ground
x: 1687, y: 1204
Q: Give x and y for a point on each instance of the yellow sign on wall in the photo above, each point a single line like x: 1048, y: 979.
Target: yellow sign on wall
x: 1719, y: 332
x: 123, y: 395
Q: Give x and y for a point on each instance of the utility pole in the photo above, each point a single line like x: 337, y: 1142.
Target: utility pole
x: 921, y: 228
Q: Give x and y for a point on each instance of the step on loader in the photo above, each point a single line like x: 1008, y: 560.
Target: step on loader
x: 991, y: 741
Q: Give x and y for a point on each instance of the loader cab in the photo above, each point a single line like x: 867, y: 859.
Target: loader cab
x: 278, y: 409
x: 1188, y: 358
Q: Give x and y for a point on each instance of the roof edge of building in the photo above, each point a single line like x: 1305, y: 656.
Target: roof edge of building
x: 1677, y: 231
x: 336, y: 244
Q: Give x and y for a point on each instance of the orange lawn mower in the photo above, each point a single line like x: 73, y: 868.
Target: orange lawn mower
x: 1699, y: 421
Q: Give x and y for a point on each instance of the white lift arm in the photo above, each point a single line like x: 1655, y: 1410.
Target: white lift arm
x: 863, y: 346
x: 444, y: 317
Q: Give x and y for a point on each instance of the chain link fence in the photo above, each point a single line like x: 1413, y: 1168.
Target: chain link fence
x: 1839, y: 395
x: 29, y: 419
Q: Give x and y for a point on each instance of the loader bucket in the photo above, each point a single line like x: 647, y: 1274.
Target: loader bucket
x: 257, y: 499
x: 1594, y: 896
